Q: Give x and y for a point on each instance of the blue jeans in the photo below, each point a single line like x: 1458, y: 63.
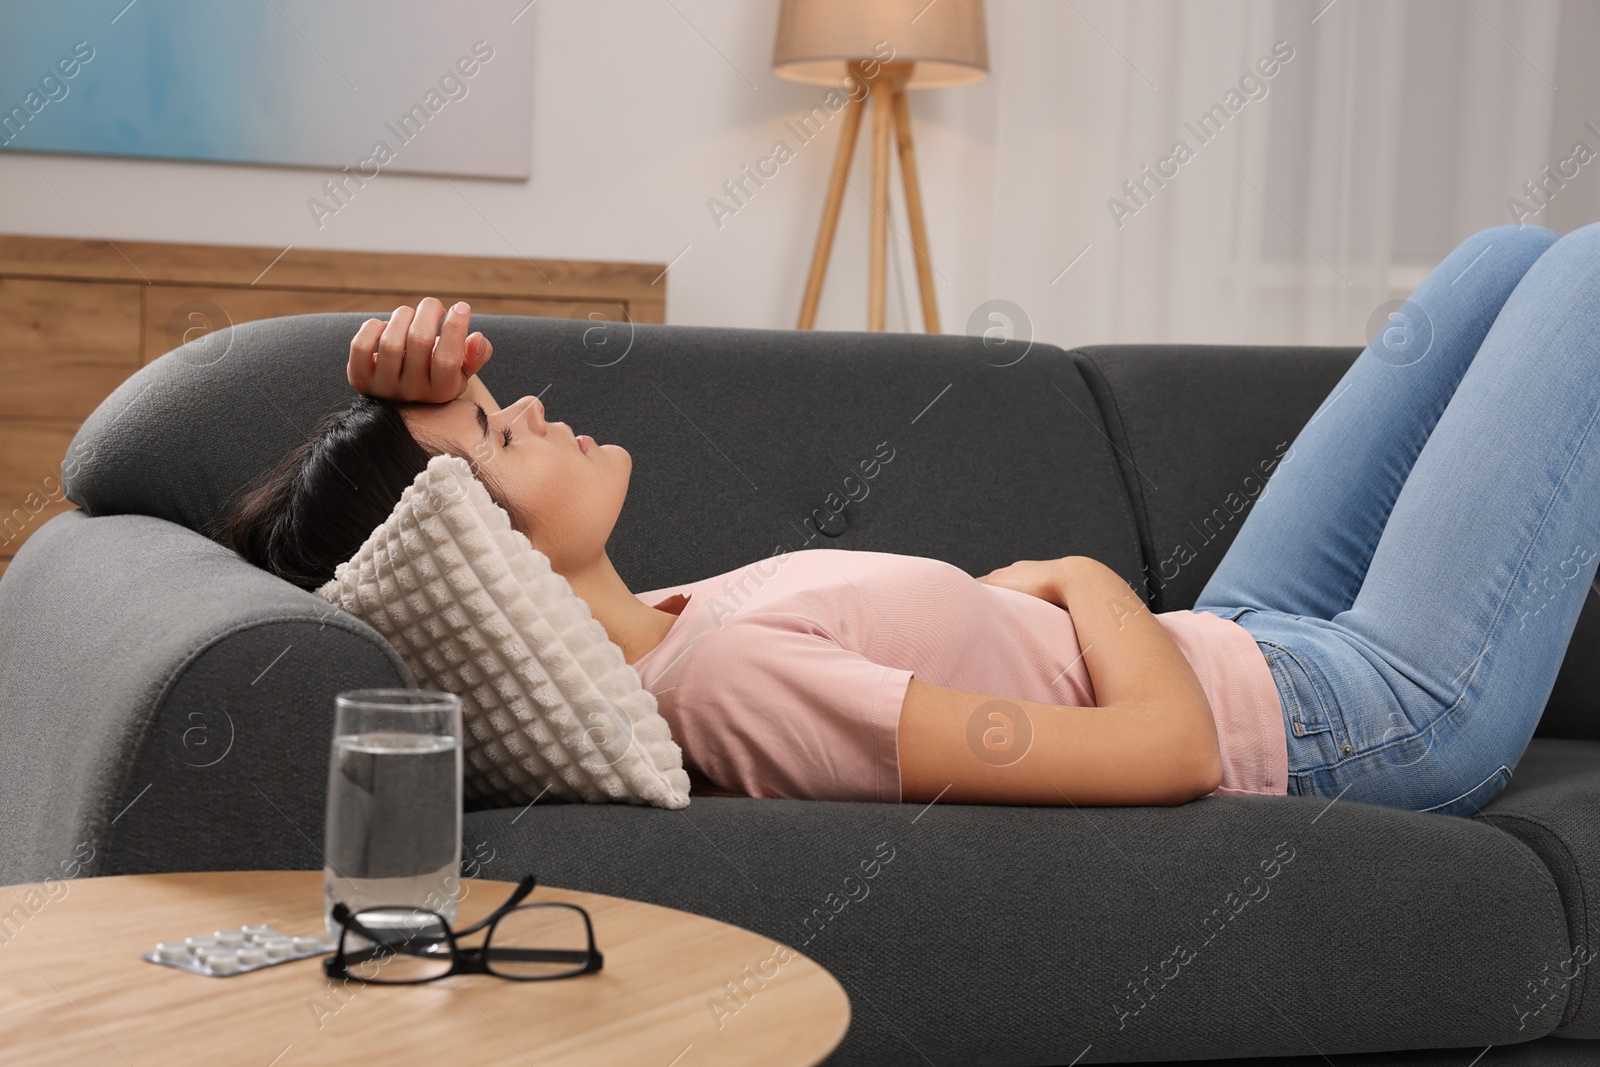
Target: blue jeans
x: 1415, y: 567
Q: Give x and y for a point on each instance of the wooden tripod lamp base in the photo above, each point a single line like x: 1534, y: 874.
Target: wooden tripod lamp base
x: 888, y: 99
x: 883, y: 47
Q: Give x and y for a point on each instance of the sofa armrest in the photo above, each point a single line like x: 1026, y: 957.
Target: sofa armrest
x: 164, y: 705
x: 1552, y: 805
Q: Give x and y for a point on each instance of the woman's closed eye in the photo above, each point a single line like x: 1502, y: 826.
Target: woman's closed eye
x: 505, y: 434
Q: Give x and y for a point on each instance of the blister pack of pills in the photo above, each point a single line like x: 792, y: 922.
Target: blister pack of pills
x: 225, y: 953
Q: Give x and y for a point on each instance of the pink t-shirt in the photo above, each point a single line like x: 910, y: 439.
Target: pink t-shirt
x: 785, y: 678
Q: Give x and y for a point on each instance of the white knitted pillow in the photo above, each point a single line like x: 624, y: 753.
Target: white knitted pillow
x: 548, y: 701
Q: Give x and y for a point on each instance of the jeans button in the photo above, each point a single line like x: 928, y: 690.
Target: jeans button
x: 1345, y: 750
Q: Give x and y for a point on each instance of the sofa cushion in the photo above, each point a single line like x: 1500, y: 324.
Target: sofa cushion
x: 1230, y: 926
x: 1195, y: 425
x: 742, y: 440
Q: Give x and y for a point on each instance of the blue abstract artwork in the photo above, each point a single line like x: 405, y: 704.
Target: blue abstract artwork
x: 405, y: 85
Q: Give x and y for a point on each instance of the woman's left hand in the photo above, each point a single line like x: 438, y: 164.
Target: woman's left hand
x: 1040, y: 578
x: 419, y: 356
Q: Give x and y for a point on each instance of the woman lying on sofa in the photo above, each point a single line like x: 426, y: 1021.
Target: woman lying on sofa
x: 1386, y: 627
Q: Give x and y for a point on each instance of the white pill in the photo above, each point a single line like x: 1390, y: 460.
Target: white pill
x: 252, y: 957
x: 200, y: 941
x: 255, y: 928
x: 277, y: 950
x: 223, y: 964
x: 171, y: 950
x: 231, y: 938
x: 307, y: 943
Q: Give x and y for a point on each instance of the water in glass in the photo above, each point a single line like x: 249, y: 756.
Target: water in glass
x: 393, y: 833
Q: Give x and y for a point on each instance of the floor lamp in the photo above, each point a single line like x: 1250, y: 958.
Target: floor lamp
x: 877, y: 49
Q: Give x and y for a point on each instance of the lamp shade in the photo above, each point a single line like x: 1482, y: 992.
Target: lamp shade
x: 946, y: 39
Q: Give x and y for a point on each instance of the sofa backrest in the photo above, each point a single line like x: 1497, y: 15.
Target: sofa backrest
x: 1197, y: 428
x: 744, y: 442
x: 1193, y: 426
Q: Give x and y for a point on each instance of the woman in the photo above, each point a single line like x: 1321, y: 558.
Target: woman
x: 1386, y: 627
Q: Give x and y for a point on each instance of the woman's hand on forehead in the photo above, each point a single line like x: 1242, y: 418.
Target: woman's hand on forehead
x: 420, y: 355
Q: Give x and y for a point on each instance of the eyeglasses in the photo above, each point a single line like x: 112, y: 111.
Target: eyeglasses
x: 404, y: 945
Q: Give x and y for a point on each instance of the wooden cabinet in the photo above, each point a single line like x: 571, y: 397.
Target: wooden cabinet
x: 78, y: 316
x: 30, y: 477
x: 64, y: 345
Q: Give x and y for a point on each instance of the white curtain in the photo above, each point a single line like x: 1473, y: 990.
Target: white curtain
x: 1394, y: 131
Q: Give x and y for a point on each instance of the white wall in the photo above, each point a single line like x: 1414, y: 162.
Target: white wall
x: 643, y: 108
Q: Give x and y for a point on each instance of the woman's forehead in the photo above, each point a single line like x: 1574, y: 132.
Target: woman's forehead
x: 457, y: 418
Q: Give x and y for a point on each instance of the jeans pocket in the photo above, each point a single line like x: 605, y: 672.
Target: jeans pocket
x: 1226, y: 614
x: 1308, y: 716
x: 1468, y: 803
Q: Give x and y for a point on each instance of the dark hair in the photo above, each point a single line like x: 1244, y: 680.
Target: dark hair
x: 315, y: 509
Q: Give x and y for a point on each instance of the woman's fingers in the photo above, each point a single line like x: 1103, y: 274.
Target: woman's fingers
x: 363, y: 346
x: 478, y: 351
x: 1036, y: 577
x: 448, y: 374
x: 391, y: 352
x: 421, y: 355
x: 415, y: 375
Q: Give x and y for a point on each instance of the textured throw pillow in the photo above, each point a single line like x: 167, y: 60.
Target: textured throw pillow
x: 549, y: 704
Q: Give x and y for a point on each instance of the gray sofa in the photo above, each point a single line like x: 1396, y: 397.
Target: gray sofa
x: 170, y: 704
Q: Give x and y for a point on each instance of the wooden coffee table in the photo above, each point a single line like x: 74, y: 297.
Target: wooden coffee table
x: 73, y: 989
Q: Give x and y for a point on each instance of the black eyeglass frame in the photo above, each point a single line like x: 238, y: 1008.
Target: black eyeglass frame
x: 472, y: 960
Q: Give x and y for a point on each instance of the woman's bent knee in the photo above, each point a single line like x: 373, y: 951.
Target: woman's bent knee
x: 1511, y: 236
x: 1583, y: 241
x: 1569, y: 269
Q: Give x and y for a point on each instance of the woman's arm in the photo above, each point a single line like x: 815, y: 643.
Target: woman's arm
x: 975, y: 748
x: 421, y: 355
x: 1144, y: 663
x: 1129, y: 655
x: 1132, y: 660
x: 1151, y: 739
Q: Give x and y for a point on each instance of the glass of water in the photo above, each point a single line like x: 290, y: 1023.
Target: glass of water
x: 393, y: 834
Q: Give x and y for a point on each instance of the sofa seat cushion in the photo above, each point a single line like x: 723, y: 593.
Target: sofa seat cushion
x: 1230, y: 926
